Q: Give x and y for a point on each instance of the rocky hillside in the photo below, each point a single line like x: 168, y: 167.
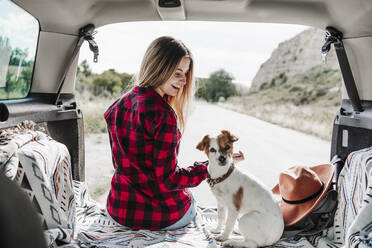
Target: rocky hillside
x: 294, y: 89
x: 295, y: 56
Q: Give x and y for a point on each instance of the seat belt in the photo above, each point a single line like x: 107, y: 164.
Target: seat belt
x: 85, y: 33
x: 333, y: 36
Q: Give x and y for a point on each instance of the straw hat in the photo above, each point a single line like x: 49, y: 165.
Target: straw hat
x: 300, y: 189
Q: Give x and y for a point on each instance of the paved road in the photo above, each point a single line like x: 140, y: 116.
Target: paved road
x: 268, y: 149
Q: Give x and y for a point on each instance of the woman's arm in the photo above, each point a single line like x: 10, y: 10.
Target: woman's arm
x: 167, y: 172
x: 238, y: 157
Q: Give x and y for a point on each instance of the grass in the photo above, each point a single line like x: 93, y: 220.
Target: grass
x: 93, y: 108
x: 306, y: 102
x: 312, y: 120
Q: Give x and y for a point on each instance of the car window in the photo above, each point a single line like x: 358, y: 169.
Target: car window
x: 18, y: 41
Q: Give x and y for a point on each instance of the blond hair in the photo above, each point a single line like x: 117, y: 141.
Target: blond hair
x: 160, y: 61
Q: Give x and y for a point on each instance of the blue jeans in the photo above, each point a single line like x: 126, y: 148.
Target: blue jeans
x: 186, y: 219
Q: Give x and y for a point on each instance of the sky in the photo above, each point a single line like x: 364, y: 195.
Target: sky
x: 18, y: 29
x: 24, y: 28
x: 239, y: 48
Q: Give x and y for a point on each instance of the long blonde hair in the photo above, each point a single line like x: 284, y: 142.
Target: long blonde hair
x: 158, y: 65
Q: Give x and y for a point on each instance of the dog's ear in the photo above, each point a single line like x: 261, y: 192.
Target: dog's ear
x: 231, y: 137
x: 203, y: 143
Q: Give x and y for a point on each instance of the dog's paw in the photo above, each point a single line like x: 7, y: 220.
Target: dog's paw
x: 232, y: 243
x: 228, y: 243
x: 216, y: 230
x: 221, y: 237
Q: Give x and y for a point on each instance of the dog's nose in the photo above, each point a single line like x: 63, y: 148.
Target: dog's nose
x: 222, y: 159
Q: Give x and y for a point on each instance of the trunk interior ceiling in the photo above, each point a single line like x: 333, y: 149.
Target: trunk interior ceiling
x: 69, y: 15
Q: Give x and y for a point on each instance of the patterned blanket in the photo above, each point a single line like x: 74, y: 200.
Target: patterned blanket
x: 96, y: 229
x: 41, y: 166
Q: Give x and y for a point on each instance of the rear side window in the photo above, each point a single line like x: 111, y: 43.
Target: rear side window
x: 18, y: 41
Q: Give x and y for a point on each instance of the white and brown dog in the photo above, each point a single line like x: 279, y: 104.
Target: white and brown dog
x: 239, y: 195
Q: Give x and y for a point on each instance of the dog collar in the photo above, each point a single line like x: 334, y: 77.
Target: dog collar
x: 214, y: 181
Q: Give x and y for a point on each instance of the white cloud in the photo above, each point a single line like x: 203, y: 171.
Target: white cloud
x: 240, y: 48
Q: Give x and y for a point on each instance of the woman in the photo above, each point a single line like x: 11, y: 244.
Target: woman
x: 148, y: 189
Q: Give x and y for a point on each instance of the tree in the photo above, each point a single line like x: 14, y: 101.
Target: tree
x: 127, y: 81
x: 108, y: 82
x: 201, y: 88
x: 218, y: 85
x: 84, y: 68
x: 18, y: 71
x: 17, y: 87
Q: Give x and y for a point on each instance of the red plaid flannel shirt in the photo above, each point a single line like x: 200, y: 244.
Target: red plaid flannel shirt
x: 148, y: 189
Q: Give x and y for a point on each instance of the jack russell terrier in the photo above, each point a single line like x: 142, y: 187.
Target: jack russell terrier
x: 240, y: 195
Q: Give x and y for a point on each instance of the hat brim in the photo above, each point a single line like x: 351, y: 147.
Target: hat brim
x: 293, y: 213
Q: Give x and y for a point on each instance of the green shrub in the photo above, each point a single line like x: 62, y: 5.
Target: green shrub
x: 108, y: 83
x: 219, y: 84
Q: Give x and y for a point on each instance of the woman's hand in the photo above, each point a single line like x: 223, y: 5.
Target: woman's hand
x: 238, y: 157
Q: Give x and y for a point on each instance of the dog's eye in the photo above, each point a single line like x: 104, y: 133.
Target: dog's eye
x: 227, y: 147
x: 212, y: 150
